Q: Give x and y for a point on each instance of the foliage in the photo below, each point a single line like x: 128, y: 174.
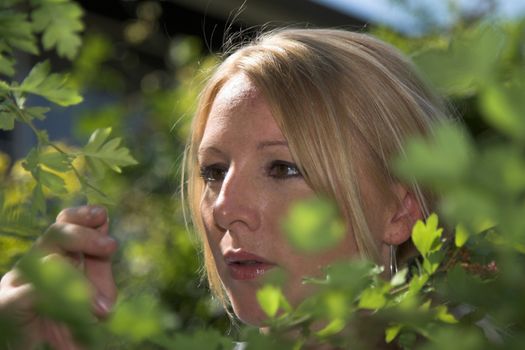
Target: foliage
x: 466, y: 285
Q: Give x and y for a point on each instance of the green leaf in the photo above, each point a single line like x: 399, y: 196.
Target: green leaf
x: 50, y: 86
x: 336, y: 304
x: 31, y: 161
x: 314, y: 225
x: 137, y: 318
x: 416, y: 284
x: 269, y: 298
x: 461, y: 236
x: 468, y: 62
x: 503, y: 107
x: 101, y: 153
x: 61, y: 23
x: 443, y: 315
x: 7, y: 65
x: 64, y: 293
x: 443, y: 160
x: 432, y: 261
x: 52, y: 181
x: 56, y: 161
x: 38, y: 203
x: 427, y: 236
x: 392, y: 332
x: 201, y: 339
x: 333, y: 327
x: 95, y: 195
x: 399, y: 278
x: 373, y: 298
x: 7, y: 119
x: 37, y: 112
x: 16, y: 32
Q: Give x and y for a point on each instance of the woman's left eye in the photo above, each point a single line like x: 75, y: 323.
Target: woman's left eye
x: 283, y: 170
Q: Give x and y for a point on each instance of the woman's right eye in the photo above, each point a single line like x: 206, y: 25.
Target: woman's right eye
x: 213, y: 173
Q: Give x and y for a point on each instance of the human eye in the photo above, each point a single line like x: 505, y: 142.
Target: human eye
x: 281, y: 170
x: 213, y: 173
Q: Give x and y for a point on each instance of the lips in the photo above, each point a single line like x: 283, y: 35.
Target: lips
x: 246, y: 266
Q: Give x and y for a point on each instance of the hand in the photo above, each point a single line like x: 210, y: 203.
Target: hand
x: 80, y: 235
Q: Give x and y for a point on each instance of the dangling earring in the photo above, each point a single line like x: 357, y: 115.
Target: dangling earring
x: 393, y: 260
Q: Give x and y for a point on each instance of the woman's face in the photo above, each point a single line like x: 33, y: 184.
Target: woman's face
x: 251, y: 180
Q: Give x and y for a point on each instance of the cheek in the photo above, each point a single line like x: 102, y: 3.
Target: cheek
x: 206, y: 213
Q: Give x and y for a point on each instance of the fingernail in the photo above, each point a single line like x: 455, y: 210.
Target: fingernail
x: 105, y: 241
x: 103, y: 304
x: 96, y: 211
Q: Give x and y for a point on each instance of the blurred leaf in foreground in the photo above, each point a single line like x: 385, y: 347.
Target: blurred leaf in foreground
x: 314, y: 225
x: 64, y: 294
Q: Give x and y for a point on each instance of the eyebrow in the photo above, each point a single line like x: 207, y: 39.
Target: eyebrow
x: 260, y: 146
x: 264, y: 144
x: 209, y: 149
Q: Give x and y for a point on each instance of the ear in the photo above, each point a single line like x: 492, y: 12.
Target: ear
x: 404, y: 215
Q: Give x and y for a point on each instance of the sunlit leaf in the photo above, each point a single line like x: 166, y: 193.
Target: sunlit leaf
x: 372, y: 298
x: 399, y: 278
x: 336, y: 304
x: 52, y: 86
x: 333, y: 327
x: 432, y: 261
x: 269, y: 298
x: 52, y: 181
x: 102, y: 153
x: 444, y: 315
x: 461, y: 236
x: 392, y: 332
x: 426, y: 236
x: 55, y: 160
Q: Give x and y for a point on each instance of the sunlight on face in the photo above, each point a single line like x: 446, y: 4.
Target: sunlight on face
x: 251, y: 180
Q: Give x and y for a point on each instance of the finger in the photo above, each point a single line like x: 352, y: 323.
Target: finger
x: 59, y: 336
x: 18, y: 302
x: 102, y: 287
x: 88, y: 215
x: 11, y: 279
x: 72, y: 238
x: 100, y: 275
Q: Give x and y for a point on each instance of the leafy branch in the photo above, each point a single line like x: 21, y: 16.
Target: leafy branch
x: 60, y: 24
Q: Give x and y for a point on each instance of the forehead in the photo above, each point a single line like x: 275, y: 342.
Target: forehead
x: 240, y: 113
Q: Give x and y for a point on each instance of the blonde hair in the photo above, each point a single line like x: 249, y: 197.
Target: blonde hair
x: 344, y: 101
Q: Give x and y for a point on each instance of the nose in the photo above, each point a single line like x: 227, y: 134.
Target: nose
x: 236, y: 208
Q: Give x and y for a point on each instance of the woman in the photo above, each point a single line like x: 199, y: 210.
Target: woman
x: 295, y: 114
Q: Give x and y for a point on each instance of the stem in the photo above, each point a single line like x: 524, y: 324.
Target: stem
x: 21, y: 115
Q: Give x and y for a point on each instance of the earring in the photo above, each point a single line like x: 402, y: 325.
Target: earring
x: 393, y: 260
